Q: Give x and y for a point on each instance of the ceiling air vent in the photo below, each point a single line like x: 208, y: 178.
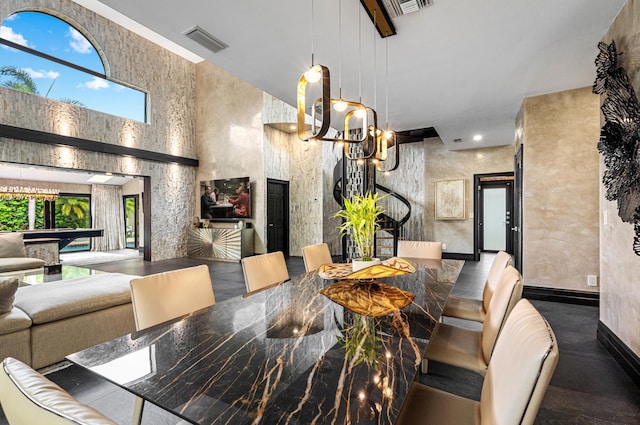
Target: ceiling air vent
x: 205, y: 39
x: 402, y: 7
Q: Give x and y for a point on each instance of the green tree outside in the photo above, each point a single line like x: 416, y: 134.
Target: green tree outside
x: 72, y: 212
x: 14, y: 214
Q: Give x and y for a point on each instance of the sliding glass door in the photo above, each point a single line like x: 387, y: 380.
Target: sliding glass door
x: 131, y: 205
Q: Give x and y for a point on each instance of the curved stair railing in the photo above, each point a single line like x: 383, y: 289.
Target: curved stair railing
x: 397, y: 212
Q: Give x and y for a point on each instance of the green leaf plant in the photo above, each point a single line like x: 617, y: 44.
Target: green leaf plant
x: 361, y: 341
x: 360, y: 220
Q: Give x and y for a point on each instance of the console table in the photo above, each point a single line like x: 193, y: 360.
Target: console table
x: 225, y: 244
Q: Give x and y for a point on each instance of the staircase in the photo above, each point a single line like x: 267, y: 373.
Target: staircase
x: 397, y: 211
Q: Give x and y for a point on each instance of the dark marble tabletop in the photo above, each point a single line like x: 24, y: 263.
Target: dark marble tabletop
x: 273, y: 357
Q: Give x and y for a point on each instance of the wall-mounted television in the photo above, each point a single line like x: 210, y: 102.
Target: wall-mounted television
x: 225, y: 199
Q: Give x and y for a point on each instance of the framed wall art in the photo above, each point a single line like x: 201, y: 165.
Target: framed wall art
x: 450, y: 200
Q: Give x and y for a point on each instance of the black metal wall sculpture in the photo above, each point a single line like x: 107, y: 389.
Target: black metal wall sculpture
x: 620, y: 137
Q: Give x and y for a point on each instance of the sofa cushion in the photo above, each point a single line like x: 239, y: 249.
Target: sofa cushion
x: 19, y: 263
x: 8, y: 288
x: 12, y: 245
x: 14, y: 321
x: 48, y: 302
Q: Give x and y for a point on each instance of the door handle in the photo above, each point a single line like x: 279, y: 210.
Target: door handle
x: 270, y: 225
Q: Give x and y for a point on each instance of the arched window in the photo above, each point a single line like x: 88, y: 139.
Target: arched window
x: 44, y: 55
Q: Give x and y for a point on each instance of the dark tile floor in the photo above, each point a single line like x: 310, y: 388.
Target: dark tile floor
x: 588, y: 388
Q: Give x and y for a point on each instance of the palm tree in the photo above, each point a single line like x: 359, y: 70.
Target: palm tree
x: 76, y: 206
x: 22, y: 81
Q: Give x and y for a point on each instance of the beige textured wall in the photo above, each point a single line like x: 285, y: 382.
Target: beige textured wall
x: 442, y: 164
x: 170, y: 83
x: 619, y: 266
x: 229, y: 134
x: 560, y: 189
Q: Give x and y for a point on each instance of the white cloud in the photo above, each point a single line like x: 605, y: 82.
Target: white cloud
x: 49, y: 75
x: 96, y: 84
x: 78, y: 42
x: 8, y: 34
x: 12, y: 17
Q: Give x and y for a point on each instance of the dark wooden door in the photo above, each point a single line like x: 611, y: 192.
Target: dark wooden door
x: 278, y: 216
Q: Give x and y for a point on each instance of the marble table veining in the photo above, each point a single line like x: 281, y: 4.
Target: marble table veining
x: 273, y: 357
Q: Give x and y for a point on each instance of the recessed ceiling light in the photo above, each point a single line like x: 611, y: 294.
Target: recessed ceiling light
x: 99, y: 178
x: 477, y: 137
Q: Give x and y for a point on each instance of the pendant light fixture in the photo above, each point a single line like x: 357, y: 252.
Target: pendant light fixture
x: 387, y: 137
x: 314, y: 75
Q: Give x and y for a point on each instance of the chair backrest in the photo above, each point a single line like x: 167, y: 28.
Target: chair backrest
x: 264, y: 270
x: 29, y: 398
x: 164, y: 296
x: 507, y: 294
x: 316, y: 255
x: 520, y: 369
x: 501, y: 262
x: 420, y: 249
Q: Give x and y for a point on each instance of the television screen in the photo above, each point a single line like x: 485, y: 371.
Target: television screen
x: 225, y: 198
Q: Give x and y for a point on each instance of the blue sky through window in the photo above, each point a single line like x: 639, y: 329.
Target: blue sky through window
x: 55, y: 37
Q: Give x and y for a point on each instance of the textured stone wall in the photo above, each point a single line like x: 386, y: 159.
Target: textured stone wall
x: 409, y: 181
x: 560, y: 189
x: 619, y: 266
x: 131, y: 60
x: 299, y: 163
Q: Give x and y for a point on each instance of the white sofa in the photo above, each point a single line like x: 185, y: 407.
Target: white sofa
x: 48, y: 321
x: 13, y: 256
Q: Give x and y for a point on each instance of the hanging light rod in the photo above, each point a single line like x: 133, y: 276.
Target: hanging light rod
x: 379, y: 16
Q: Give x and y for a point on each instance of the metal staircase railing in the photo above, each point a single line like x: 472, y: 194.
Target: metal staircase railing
x: 397, y: 212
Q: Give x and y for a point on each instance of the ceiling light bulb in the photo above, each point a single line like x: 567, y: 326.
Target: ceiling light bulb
x: 388, y: 134
x: 340, y: 105
x: 359, y: 113
x: 374, y: 160
x: 313, y: 140
x: 477, y: 137
x: 313, y: 74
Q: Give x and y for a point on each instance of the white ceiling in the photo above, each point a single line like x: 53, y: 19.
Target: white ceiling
x: 30, y: 172
x: 461, y: 66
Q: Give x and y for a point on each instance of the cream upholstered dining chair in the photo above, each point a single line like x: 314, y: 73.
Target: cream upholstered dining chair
x: 264, y: 270
x: 420, y: 249
x: 164, y: 296
x: 316, y: 255
x: 29, y: 398
x: 476, y: 309
x: 523, y: 362
x: 159, y: 297
x: 471, y: 349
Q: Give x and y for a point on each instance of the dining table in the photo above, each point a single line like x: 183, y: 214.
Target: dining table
x: 287, y: 354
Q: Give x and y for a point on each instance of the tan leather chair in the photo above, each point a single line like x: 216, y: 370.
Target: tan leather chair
x: 471, y: 349
x: 518, y: 375
x: 164, y: 296
x: 29, y: 398
x: 159, y: 297
x: 475, y: 309
x: 316, y: 255
x: 420, y: 249
x: 264, y: 270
